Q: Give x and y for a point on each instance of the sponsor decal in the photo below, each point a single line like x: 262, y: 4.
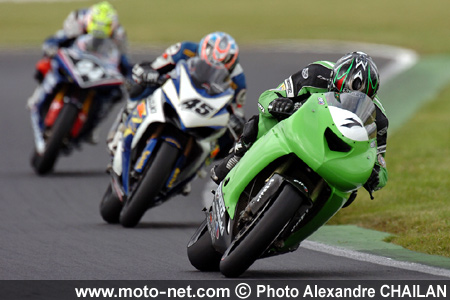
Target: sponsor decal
x: 142, y: 160
x: 266, y: 187
x: 305, y: 73
x: 261, y: 108
x: 218, y: 212
x: 373, y: 144
x: 152, y: 105
x: 321, y: 101
x: 299, y: 220
x: 174, y: 177
x: 289, y: 87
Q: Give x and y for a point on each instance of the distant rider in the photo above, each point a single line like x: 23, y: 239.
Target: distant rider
x: 354, y: 71
x: 101, y: 21
x: 216, y: 46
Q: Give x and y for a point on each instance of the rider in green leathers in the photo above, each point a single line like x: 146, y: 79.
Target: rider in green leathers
x: 355, y: 71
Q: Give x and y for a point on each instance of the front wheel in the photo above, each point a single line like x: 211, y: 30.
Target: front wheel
x: 43, y: 163
x: 151, y: 184
x: 264, y: 232
x: 110, y: 206
x: 201, y: 252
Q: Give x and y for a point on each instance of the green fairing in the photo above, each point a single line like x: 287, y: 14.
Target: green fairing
x: 343, y: 171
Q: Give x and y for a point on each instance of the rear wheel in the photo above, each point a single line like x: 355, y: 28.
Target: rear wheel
x: 151, y: 184
x: 201, y: 252
x: 253, y: 244
x: 43, y: 163
x: 110, y: 206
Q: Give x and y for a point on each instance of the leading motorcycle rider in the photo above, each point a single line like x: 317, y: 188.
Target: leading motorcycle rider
x: 354, y: 71
x: 216, y: 46
x: 102, y: 22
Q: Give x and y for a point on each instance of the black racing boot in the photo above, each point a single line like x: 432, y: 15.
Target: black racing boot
x: 220, y: 171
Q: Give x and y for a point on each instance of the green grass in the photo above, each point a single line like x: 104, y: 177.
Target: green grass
x: 412, y: 24
x: 415, y: 205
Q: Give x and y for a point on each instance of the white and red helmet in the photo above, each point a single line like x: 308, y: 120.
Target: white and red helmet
x: 219, y: 47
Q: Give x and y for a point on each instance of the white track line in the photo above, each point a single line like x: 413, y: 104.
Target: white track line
x: 375, y: 259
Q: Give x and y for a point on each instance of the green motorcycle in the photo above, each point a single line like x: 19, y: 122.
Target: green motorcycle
x: 288, y: 184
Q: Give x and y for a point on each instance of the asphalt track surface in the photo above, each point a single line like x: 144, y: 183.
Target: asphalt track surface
x: 50, y: 227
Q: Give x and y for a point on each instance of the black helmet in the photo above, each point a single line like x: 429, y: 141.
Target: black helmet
x: 355, y: 71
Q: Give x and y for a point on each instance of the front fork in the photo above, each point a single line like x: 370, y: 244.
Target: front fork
x: 60, y: 99
x: 39, y: 126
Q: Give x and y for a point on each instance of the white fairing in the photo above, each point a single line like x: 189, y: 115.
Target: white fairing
x: 155, y: 113
x: 349, y: 124
x: 117, y: 160
x: 203, y: 113
x: 200, y: 113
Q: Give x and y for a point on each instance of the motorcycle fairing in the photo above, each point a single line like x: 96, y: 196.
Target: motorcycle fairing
x: 194, y: 107
x: 313, y: 117
x: 86, y: 69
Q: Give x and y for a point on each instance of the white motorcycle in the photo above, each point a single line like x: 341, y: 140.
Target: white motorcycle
x: 167, y: 139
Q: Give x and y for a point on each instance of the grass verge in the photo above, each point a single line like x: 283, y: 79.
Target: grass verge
x: 411, y: 24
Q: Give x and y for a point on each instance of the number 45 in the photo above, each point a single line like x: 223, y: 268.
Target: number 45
x: 198, y: 106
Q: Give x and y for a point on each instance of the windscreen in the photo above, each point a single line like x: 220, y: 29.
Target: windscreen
x: 104, y: 49
x: 359, y: 104
x: 214, y: 78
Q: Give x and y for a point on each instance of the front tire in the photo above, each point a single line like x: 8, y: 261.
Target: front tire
x: 111, y: 206
x: 263, y: 233
x: 44, y: 163
x: 201, y: 252
x: 151, y: 184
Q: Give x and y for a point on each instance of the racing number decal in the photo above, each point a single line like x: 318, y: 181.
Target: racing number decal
x: 88, y: 70
x: 198, y: 106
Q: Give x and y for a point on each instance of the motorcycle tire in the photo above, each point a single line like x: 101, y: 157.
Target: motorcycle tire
x: 151, y: 184
x: 111, y: 206
x: 44, y: 163
x: 201, y: 252
x: 253, y: 244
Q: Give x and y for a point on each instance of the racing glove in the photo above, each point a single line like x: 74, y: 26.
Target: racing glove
x: 372, y: 183
x: 281, y: 108
x: 143, y: 73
